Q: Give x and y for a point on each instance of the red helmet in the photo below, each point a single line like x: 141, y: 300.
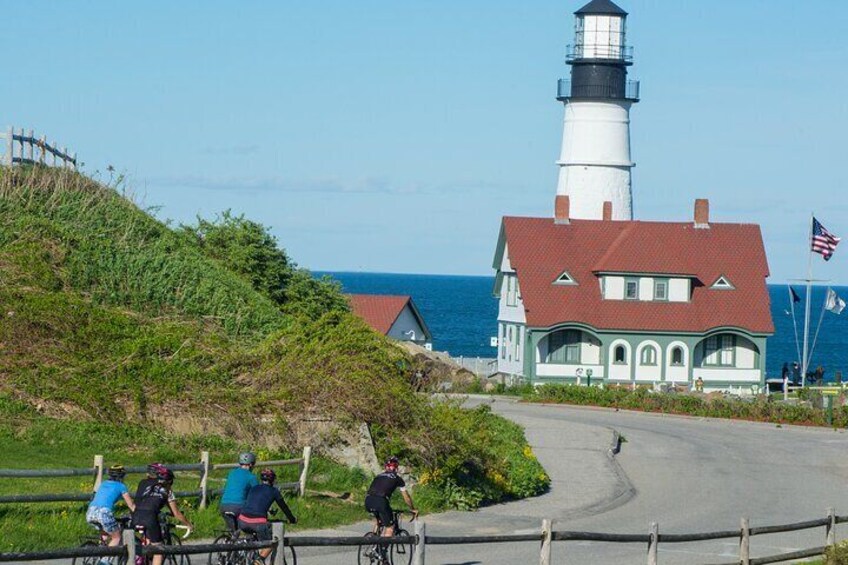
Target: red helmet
x: 268, y: 476
x: 392, y: 463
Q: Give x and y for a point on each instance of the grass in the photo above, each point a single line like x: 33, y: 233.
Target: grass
x: 757, y: 409
x: 121, y: 336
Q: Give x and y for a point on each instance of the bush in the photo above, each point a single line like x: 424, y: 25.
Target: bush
x: 837, y: 554
x: 758, y: 409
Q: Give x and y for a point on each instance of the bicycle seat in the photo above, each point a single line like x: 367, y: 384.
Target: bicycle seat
x: 230, y: 514
x: 97, y: 525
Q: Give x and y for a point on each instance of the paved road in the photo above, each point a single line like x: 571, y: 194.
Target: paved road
x: 689, y: 475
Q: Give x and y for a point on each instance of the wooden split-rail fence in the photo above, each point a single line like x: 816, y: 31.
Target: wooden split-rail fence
x: 418, y: 543
x: 24, y: 148
x: 202, y: 468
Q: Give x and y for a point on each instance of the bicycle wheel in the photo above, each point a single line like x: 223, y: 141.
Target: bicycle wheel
x: 368, y: 554
x: 401, y: 554
x: 176, y: 559
x: 222, y: 558
x: 89, y: 560
x: 289, y: 555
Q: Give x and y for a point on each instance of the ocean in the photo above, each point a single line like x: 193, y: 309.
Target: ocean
x: 462, y: 316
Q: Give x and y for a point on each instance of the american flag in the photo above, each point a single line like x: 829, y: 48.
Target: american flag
x: 823, y: 241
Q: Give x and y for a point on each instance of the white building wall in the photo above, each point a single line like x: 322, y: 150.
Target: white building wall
x: 614, y: 288
x: 745, y: 353
x: 590, y: 350
x: 595, y: 159
x: 619, y: 372
x: 727, y: 375
x: 678, y: 290
x: 648, y: 373
x: 405, y: 323
x: 646, y: 288
x: 553, y: 370
x: 677, y: 373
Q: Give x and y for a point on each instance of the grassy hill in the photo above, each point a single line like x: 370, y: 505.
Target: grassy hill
x: 115, y: 325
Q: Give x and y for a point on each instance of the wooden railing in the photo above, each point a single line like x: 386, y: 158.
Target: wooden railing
x: 203, y: 492
x: 420, y: 540
x: 25, y: 148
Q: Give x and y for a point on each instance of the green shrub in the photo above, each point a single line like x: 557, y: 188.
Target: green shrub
x: 837, y: 554
x: 758, y: 408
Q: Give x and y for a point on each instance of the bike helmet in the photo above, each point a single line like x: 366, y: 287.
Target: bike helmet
x: 247, y: 458
x: 153, y: 469
x: 392, y: 463
x: 268, y: 476
x: 165, y: 475
x: 117, y: 472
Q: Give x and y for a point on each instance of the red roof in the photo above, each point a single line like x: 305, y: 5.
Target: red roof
x: 379, y: 310
x: 540, y: 250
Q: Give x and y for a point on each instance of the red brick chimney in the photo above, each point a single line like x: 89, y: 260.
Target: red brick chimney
x: 702, y: 213
x: 607, y: 210
x: 561, y: 209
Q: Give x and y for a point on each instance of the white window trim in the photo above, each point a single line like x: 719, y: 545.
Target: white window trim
x: 723, y: 283
x: 565, y: 279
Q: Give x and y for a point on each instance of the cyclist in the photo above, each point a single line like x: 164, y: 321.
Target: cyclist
x: 99, y: 513
x: 153, y: 500
x: 254, y: 513
x: 144, y: 484
x: 380, y: 493
x: 239, y: 482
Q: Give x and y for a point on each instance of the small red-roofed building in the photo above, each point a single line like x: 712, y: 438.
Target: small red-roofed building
x: 632, y: 302
x: 393, y: 316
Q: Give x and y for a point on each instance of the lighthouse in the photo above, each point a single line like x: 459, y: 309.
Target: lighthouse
x: 595, y: 159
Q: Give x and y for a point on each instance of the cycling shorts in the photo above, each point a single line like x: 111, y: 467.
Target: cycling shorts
x: 152, y: 528
x: 379, y: 506
x: 101, y: 517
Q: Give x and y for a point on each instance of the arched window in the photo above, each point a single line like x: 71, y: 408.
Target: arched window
x: 564, y: 347
x: 619, y: 355
x: 649, y: 355
x: 677, y: 356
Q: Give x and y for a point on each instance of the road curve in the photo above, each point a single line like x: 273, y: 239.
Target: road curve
x: 688, y: 474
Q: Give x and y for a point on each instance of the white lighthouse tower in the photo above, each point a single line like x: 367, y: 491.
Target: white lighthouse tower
x: 595, y: 159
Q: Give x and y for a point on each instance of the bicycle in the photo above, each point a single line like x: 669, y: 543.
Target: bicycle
x: 395, y: 554
x: 232, y: 535
x: 168, y: 538
x: 251, y: 556
x: 101, y: 540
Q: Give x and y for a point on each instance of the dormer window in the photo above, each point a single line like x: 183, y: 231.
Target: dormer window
x: 565, y: 278
x: 660, y: 289
x: 722, y: 283
x: 631, y: 289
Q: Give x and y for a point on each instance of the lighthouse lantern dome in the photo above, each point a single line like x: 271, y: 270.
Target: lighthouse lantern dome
x: 600, y: 33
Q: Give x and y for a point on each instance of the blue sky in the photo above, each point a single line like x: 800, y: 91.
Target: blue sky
x: 392, y: 136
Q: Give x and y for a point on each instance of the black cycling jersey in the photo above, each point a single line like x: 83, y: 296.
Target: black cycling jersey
x: 259, y: 501
x: 385, y: 484
x: 143, y: 486
x: 154, y: 498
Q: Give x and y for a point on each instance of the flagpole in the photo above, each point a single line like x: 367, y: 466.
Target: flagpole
x: 805, y: 359
x: 794, y: 321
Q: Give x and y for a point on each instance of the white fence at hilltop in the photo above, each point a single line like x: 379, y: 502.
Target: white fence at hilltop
x: 24, y: 148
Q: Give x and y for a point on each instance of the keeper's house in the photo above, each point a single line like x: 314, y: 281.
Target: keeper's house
x: 632, y: 302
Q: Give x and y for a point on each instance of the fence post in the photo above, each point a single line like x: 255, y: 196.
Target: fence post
x: 745, y: 543
x: 129, y: 543
x: 21, y: 152
x: 830, y: 528
x: 74, y: 162
x: 653, y: 543
x: 204, y: 478
x: 545, y: 557
x: 43, y: 147
x: 420, y: 542
x: 279, y: 532
x: 10, y: 139
x: 31, y: 146
x: 98, y: 471
x: 64, y: 157
x: 307, y: 455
